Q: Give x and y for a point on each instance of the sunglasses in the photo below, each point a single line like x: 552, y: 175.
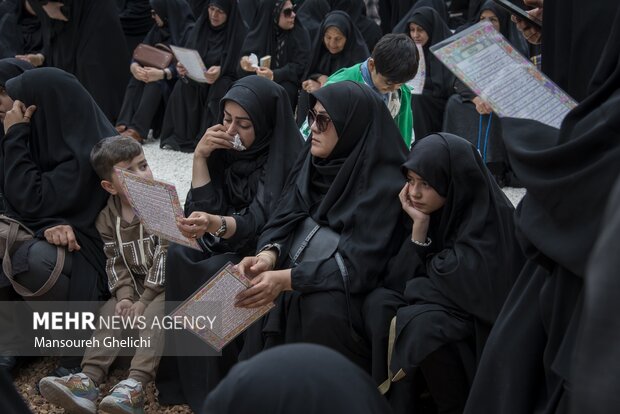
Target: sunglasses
x: 322, y: 120
x: 288, y: 12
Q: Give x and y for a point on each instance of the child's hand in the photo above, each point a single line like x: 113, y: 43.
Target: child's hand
x: 137, y: 309
x: 122, y: 307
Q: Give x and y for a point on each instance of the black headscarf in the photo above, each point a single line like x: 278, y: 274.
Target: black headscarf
x: 356, y: 9
x: 10, y: 68
x: 266, y: 38
x: 297, y: 378
x: 506, y: 26
x: 20, y: 32
x: 93, y: 31
x: 476, y: 256
x: 439, y: 79
x: 311, y: 13
x: 219, y: 46
x: 354, y: 51
x: 135, y: 16
x: 69, y: 190
x: 197, y: 6
x: 273, y: 152
x: 347, y: 190
x: 178, y: 22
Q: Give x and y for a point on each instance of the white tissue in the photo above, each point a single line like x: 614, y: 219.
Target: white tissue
x: 237, y: 144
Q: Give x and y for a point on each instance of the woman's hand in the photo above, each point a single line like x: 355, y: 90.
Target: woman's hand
x: 265, y: 289
x: 246, y: 64
x: 18, y: 114
x: 265, y: 73
x: 153, y: 75
x: 482, y: 107
x: 214, y: 138
x: 531, y: 33
x: 196, y: 225
x: 35, y: 59
x: 181, y: 70
x: 138, y: 72
x: 62, y: 235
x: 310, y: 85
x: 213, y: 74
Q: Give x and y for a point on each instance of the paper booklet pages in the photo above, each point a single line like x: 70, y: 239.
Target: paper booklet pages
x: 417, y: 83
x: 484, y: 60
x: 157, y: 205
x: 217, y: 298
x: 192, y: 61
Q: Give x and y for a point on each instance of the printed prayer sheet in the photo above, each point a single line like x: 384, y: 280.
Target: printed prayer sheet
x: 417, y: 83
x: 192, y: 61
x: 482, y: 58
x: 216, y: 300
x: 157, y: 205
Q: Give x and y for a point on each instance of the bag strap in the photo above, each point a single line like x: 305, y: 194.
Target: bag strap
x: 7, y: 266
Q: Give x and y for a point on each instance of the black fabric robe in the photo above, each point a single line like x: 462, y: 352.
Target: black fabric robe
x: 78, y: 45
x: 455, y: 288
x: 429, y: 107
x: 193, y: 107
x: 144, y: 103
x: 245, y: 185
x: 288, y: 49
x: 20, y: 32
x: 136, y: 21
x: 569, y: 175
x: 343, y: 192
x: 46, y: 175
x: 197, y: 6
x: 311, y: 13
x: 324, y: 63
x: 299, y: 378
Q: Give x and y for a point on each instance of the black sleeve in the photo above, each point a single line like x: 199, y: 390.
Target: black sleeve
x: 249, y: 225
x: 207, y: 198
x: 299, y: 59
x: 464, y: 90
x: 407, y: 264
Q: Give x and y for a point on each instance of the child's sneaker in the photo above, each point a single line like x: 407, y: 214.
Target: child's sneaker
x: 76, y: 393
x: 126, y: 397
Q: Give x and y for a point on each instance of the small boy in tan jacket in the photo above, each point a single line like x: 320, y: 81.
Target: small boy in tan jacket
x: 136, y: 268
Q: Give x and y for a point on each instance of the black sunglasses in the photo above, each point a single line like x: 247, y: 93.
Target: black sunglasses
x: 322, y: 120
x: 288, y: 12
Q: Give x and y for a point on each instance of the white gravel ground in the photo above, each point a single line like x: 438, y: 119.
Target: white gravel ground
x: 176, y: 168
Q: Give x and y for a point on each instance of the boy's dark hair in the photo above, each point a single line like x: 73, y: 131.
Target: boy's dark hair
x: 396, y: 57
x: 110, y: 151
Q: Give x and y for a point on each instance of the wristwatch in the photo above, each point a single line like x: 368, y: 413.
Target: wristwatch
x: 223, y: 227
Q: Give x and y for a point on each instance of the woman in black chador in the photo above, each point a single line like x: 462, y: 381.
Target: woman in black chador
x: 233, y: 193
x: 569, y: 175
x: 85, y: 38
x: 344, y: 200
x: 50, y: 186
x: 449, y: 279
x: 193, y: 107
x: 149, y: 88
x: 338, y: 44
x: 299, y: 378
x: 277, y: 33
x: 426, y: 28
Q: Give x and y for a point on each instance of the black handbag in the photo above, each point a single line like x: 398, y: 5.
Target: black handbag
x: 312, y: 241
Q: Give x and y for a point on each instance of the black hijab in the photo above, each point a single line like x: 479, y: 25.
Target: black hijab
x: 439, y: 79
x: 10, y: 68
x: 347, y: 190
x: 476, y: 256
x: 356, y: 9
x: 20, y: 32
x: 273, y: 152
x: 297, y: 378
x: 219, y: 46
x: 354, y: 51
x: 266, y: 37
x: 135, y: 16
x: 197, y: 6
x: 311, y: 13
x: 178, y: 22
x: 60, y: 147
x: 506, y: 26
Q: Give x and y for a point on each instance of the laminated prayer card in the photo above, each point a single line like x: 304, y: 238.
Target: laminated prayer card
x: 157, y: 205
x: 494, y: 70
x: 192, y: 61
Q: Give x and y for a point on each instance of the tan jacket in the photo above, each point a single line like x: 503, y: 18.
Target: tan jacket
x: 138, y: 269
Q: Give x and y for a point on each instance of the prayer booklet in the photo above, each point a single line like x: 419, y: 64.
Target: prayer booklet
x: 215, y: 301
x: 192, y: 61
x: 417, y: 83
x: 157, y: 205
x: 265, y: 61
x: 491, y: 67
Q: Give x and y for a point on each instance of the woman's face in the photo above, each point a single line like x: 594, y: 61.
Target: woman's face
x: 217, y: 16
x: 491, y: 17
x: 418, y: 34
x: 334, y: 40
x: 423, y: 197
x: 237, y: 121
x: 324, y: 135
x: 6, y: 103
x: 286, y: 21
